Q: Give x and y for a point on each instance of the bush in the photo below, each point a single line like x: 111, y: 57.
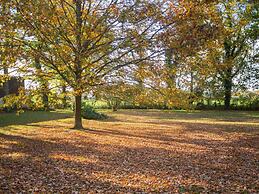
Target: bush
x: 97, y: 104
x: 88, y: 112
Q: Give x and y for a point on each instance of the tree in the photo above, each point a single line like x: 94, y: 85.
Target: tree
x: 85, y: 41
x: 195, y: 24
x: 116, y: 93
x: 43, y: 82
x: 235, y: 44
x: 6, y: 47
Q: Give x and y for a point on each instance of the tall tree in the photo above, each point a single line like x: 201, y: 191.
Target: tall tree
x: 4, y: 43
x: 43, y: 82
x: 229, y: 55
x: 10, y: 52
x: 85, y: 41
x: 234, y: 52
x: 195, y: 24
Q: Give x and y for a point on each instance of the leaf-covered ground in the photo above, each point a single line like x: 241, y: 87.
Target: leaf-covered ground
x: 131, y: 152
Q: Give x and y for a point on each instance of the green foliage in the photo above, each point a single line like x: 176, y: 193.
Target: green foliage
x: 246, y: 100
x: 88, y: 112
x: 97, y: 104
x: 16, y: 102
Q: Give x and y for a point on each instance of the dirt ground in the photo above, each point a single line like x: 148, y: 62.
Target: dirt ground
x: 133, y: 152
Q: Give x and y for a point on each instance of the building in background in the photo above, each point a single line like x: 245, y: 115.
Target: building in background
x: 11, y: 86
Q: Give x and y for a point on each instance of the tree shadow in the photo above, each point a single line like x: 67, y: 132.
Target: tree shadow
x: 29, y: 165
x: 143, y: 168
x: 7, y: 119
x: 149, y: 160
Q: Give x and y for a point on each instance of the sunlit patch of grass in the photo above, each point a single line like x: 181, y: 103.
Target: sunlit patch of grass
x: 199, y: 117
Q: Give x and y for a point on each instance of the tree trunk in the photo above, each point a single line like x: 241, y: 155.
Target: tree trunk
x: 6, y: 84
x: 43, y: 84
x: 64, y: 99
x: 114, y: 108
x: 227, y: 81
x: 208, y: 101
x: 78, y: 118
x: 78, y: 66
x: 228, y: 92
x: 171, y: 64
x: 45, y: 96
x: 45, y: 99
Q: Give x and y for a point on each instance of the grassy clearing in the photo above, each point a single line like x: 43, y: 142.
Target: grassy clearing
x: 132, y: 151
x: 202, y: 117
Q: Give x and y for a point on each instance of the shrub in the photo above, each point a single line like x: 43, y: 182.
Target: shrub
x: 88, y: 112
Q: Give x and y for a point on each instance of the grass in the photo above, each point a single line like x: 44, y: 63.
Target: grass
x: 32, y: 117
x: 133, y: 151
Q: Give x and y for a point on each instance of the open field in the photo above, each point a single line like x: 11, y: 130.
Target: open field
x: 133, y: 151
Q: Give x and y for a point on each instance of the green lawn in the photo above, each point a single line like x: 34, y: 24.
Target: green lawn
x: 244, y: 117
x: 32, y: 117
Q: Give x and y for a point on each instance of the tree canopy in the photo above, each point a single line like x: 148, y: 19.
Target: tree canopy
x: 161, y: 52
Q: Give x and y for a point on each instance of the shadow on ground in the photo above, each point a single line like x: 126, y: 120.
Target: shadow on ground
x: 29, y: 164
x: 7, y: 119
x: 136, y: 156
